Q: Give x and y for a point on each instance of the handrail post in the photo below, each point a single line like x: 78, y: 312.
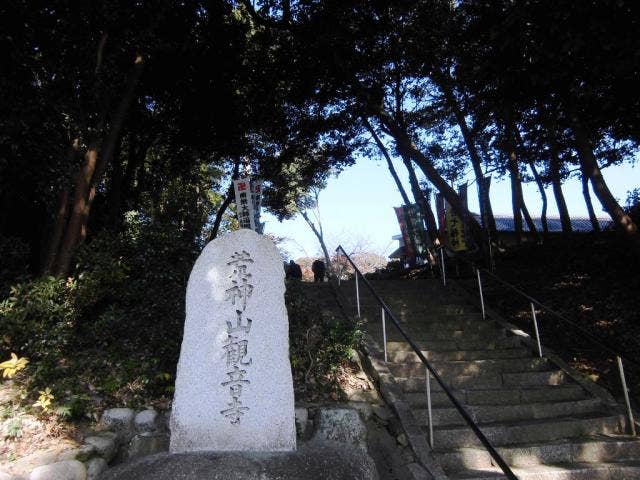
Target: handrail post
x: 357, y: 293
x: 480, y: 290
x: 429, y: 411
x: 626, y: 396
x: 535, y: 328
x: 384, y: 334
x: 444, y: 270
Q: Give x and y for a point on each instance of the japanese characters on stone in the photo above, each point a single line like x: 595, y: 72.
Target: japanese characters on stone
x: 236, y: 345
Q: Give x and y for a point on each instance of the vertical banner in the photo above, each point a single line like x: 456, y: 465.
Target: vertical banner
x: 455, y: 224
x: 256, y: 202
x: 408, y: 246
x: 484, y: 193
x: 244, y: 205
x: 415, y: 222
x: 440, y: 212
x: 430, y: 236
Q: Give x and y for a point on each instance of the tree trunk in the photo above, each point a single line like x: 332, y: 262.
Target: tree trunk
x: 114, y: 198
x: 592, y: 171
x: 554, y: 170
x: 407, y: 147
x: 543, y: 197
x: 320, y: 236
x: 76, y: 221
x: 420, y: 200
x: 60, y: 219
x: 584, y: 177
x: 60, y: 216
x: 488, y: 219
x: 91, y: 173
x: 223, y: 207
x: 527, y: 216
x: 394, y: 174
x: 387, y: 157
x: 516, y: 205
x: 538, y: 180
x: 112, y: 141
x: 444, y: 81
x: 511, y: 134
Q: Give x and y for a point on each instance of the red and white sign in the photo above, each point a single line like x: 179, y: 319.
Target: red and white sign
x: 244, y: 203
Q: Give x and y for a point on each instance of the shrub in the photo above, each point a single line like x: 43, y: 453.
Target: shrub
x: 319, y: 343
x: 111, y: 333
x: 15, y: 258
x: 39, y: 319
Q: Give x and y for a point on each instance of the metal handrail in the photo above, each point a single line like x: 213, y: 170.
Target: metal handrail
x: 582, y: 331
x: 585, y: 333
x: 465, y: 415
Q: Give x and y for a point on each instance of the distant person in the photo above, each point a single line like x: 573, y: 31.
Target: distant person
x: 294, y: 270
x: 319, y: 269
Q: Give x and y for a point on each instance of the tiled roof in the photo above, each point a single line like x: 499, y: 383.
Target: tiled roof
x: 504, y: 223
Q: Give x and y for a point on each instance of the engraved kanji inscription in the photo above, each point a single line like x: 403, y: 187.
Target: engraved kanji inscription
x: 236, y: 345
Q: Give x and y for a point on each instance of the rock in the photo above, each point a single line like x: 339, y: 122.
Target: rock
x: 363, y: 408
x: 234, y: 389
x: 82, y: 454
x: 312, y: 460
x: 146, y: 421
x: 6, y: 476
x: 58, y: 453
x: 302, y: 421
x: 402, y: 440
x: 66, y: 470
x: 418, y: 472
x: 118, y: 419
x: 147, y: 444
x: 104, y: 443
x: 341, y: 425
x: 407, y: 455
x: 381, y: 414
x: 95, y: 467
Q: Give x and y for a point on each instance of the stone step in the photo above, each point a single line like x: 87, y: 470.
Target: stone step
x: 483, y: 381
x: 400, y: 356
x: 574, y: 471
x: 483, y: 414
x: 533, y: 431
x: 395, y: 344
x: 437, y: 336
x: 502, y: 396
x: 472, y: 367
x: 468, y: 322
x: 589, y: 450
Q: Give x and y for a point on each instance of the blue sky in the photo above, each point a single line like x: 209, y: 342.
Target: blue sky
x: 357, y: 206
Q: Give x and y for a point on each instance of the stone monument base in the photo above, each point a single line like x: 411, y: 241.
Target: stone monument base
x: 313, y: 460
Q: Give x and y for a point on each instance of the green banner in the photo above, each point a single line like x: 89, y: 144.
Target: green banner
x: 413, y: 217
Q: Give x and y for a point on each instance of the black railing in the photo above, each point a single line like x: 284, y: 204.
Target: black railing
x: 603, y: 345
x: 416, y: 349
x: 584, y: 333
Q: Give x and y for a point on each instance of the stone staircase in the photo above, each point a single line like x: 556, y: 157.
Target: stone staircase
x: 547, y: 422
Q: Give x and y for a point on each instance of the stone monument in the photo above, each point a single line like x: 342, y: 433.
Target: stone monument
x: 234, y: 390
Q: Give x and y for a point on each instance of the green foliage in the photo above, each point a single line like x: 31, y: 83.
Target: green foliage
x: 109, y: 335
x: 39, y: 319
x: 633, y: 205
x: 13, y: 428
x: 15, y: 257
x: 319, y: 344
